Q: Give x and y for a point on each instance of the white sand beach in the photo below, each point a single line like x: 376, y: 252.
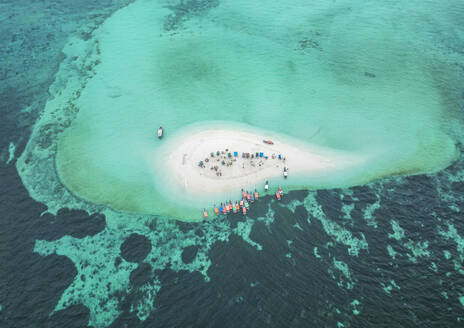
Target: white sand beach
x: 196, y: 168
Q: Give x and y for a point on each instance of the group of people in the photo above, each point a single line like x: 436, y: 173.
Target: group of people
x: 223, y: 159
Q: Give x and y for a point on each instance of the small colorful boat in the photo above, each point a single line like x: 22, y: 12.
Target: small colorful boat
x: 269, y: 142
x: 256, y: 195
x: 205, y: 214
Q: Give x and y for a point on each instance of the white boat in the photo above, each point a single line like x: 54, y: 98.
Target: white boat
x: 160, y: 132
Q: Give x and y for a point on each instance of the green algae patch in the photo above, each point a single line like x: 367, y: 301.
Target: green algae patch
x: 392, y: 252
x: 368, y: 212
x: 11, y: 153
x: 452, y: 234
x: 102, y: 279
x: 98, y: 279
x: 354, y: 306
x: 461, y: 300
x: 345, y: 270
x: 418, y: 249
x: 346, y: 209
x: 146, y: 303
x: 243, y: 230
x: 333, y: 229
x: 389, y: 287
x: 337, y: 232
x: 447, y: 254
x: 398, y: 232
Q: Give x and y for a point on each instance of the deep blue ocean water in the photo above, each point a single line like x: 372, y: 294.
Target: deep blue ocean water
x: 406, y: 276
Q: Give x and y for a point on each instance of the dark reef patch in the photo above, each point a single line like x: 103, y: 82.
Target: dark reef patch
x: 74, y: 316
x: 77, y: 224
x: 135, y: 248
x: 185, y: 226
x: 31, y: 284
x: 141, y: 275
x: 330, y: 202
x: 189, y: 253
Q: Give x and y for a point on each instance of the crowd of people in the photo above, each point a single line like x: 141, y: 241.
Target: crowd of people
x: 220, y: 160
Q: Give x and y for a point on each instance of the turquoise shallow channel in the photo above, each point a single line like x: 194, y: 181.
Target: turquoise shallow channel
x: 360, y: 82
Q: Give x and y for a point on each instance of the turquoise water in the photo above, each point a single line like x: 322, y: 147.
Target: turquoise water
x: 379, y: 80
x: 346, y: 76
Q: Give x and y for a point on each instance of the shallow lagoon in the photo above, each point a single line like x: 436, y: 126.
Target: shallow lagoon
x: 356, y: 85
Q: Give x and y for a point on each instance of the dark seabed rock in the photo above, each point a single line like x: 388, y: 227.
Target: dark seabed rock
x: 189, y: 253
x: 32, y: 284
x: 135, y: 248
x: 141, y: 275
x: 75, y: 316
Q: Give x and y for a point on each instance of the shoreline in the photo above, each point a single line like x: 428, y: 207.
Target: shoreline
x: 182, y: 176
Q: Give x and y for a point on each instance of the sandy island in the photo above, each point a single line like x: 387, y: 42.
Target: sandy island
x: 223, y: 161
